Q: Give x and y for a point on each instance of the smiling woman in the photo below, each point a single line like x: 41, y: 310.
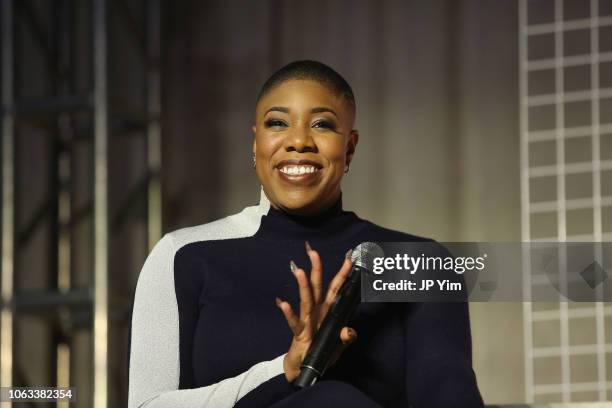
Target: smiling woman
x: 214, y: 324
x: 304, y: 141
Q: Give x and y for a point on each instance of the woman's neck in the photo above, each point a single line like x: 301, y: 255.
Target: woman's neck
x: 333, y: 223
x: 312, y: 210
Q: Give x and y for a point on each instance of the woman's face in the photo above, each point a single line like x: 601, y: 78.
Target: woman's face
x: 303, y: 141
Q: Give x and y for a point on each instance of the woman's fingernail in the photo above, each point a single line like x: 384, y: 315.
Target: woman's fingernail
x: 293, y: 266
x: 308, y: 247
x: 349, y: 253
x: 278, y: 301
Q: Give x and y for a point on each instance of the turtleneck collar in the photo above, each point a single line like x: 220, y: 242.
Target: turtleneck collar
x: 333, y: 224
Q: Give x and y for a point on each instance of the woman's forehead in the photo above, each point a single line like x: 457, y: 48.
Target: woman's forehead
x: 301, y: 93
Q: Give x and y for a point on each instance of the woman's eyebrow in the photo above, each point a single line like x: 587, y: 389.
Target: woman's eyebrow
x: 278, y: 109
x: 318, y: 109
x: 323, y: 109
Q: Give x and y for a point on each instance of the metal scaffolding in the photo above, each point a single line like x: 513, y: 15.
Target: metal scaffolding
x: 561, y: 190
x: 100, y: 206
x: 8, y: 199
x: 72, y: 115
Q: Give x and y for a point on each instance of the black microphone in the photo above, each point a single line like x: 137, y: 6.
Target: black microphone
x: 327, y: 338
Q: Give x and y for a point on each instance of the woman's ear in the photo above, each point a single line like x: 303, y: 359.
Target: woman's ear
x: 351, y: 145
x: 254, y: 129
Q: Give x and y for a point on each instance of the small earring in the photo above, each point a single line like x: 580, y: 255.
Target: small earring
x: 346, y: 169
x: 254, y: 161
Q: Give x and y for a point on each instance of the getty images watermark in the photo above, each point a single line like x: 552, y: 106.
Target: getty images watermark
x: 483, y: 271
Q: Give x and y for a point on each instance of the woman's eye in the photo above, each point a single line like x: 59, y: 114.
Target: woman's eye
x: 274, y: 123
x: 325, y: 124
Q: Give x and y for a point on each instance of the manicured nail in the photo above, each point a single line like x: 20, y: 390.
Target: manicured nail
x: 293, y: 266
x: 308, y: 247
x: 349, y: 253
x: 278, y: 301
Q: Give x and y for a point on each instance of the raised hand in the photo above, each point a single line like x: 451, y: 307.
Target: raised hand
x: 313, y: 308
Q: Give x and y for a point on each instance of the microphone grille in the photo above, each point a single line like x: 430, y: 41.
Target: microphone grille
x: 364, y: 254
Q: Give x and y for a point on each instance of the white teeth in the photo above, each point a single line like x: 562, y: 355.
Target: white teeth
x: 298, y: 169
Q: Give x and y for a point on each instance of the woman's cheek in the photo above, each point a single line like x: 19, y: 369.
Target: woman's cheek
x: 266, y: 144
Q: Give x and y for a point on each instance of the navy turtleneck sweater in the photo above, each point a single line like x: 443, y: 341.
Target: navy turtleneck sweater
x: 206, y: 331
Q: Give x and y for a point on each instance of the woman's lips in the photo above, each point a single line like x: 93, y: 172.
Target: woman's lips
x: 298, y: 174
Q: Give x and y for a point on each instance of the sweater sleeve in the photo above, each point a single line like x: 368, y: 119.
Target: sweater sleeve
x: 154, y: 362
x: 439, y: 352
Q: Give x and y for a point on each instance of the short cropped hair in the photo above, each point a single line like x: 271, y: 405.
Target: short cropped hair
x: 310, y: 70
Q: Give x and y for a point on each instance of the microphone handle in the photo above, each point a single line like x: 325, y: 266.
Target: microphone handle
x: 327, y: 338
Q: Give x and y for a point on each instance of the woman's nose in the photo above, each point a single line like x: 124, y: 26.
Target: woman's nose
x: 300, y: 140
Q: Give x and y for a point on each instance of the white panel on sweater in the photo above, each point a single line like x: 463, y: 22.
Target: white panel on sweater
x: 154, y: 353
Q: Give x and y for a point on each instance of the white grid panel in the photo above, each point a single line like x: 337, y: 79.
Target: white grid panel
x: 560, y: 111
